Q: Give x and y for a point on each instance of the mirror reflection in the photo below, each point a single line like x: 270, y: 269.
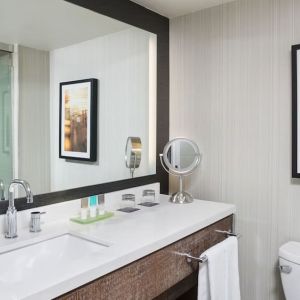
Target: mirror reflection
x: 133, y: 154
x: 181, y: 154
x: 39, y: 52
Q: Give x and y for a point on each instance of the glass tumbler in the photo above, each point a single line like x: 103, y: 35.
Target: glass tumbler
x: 128, y: 201
x: 148, y: 197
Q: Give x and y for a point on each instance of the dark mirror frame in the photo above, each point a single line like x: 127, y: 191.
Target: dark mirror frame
x: 295, y: 117
x: 138, y: 16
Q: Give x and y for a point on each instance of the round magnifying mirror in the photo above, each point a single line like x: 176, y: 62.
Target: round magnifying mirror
x: 180, y: 157
x: 133, y: 154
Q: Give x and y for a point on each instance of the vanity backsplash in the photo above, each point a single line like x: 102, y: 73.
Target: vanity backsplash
x: 63, y: 211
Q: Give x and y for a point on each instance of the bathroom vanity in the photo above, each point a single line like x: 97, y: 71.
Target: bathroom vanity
x: 161, y: 275
x: 129, y: 256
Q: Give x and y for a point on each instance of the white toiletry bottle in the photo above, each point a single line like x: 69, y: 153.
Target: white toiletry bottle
x: 84, y: 208
x: 93, y: 206
x: 101, y: 204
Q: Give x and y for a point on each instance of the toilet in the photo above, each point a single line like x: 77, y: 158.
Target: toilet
x: 289, y: 265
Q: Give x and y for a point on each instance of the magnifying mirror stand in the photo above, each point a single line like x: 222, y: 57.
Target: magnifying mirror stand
x: 181, y: 196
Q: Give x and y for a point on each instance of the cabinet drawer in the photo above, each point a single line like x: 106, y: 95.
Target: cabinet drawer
x: 154, y: 274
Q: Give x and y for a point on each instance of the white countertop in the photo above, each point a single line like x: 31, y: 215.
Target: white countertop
x: 129, y: 236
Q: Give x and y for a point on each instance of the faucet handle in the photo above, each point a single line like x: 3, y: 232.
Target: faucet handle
x: 35, y: 221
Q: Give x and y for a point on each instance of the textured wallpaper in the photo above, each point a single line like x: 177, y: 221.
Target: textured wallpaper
x: 231, y: 93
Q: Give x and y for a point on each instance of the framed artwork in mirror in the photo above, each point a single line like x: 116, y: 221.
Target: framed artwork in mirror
x: 78, y: 120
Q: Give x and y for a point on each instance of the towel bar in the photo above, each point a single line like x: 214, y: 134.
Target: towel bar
x: 229, y: 233
x: 203, y: 259
x: 189, y: 258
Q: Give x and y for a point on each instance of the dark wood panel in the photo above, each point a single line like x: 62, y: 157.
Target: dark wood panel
x: 127, y: 12
x: 185, y: 289
x: 136, y: 15
x: 160, y: 275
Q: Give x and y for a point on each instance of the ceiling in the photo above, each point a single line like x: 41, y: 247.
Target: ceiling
x: 175, y: 8
x: 51, y: 24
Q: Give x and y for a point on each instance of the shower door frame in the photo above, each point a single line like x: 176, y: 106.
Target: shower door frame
x: 12, y: 50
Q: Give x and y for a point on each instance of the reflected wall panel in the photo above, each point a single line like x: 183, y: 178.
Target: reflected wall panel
x: 34, y: 121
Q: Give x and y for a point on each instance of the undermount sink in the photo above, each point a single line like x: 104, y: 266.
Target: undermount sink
x: 48, y: 261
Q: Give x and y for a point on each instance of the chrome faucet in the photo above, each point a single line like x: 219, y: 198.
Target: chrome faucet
x: 11, y: 214
x: 2, y: 190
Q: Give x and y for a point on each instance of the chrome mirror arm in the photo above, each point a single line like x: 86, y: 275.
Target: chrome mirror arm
x: 134, y: 166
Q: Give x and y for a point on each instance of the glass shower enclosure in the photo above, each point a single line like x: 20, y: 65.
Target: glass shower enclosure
x: 6, y: 151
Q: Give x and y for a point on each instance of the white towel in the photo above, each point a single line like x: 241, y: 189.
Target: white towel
x: 219, y: 276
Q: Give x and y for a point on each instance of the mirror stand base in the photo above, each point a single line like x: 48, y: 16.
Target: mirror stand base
x: 181, y: 198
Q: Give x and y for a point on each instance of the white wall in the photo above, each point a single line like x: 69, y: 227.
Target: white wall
x: 121, y: 63
x: 231, y: 93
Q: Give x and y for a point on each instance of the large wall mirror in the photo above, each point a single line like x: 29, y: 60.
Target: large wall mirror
x: 48, y: 42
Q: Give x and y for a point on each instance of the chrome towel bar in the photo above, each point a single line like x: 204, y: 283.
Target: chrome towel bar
x: 202, y: 259
x: 189, y: 258
x: 228, y: 233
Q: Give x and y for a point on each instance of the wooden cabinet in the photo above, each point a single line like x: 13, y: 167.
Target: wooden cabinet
x: 160, y: 275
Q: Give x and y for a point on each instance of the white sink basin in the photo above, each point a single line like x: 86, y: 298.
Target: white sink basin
x: 46, y: 262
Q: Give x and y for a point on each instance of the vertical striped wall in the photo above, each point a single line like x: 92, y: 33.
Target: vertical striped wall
x: 231, y: 93
x: 33, y: 133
